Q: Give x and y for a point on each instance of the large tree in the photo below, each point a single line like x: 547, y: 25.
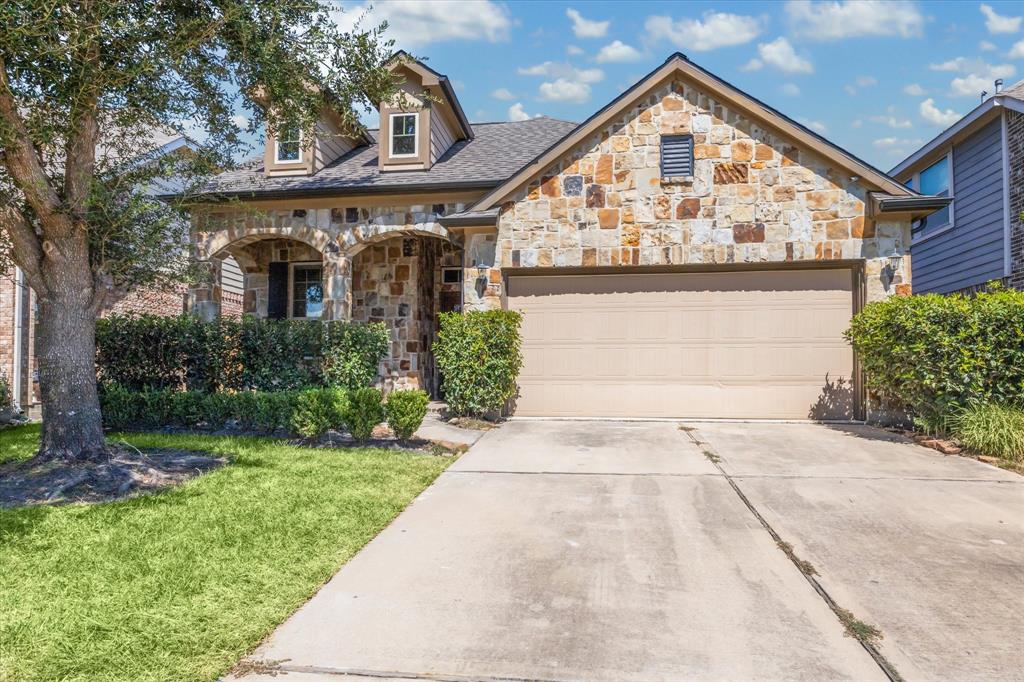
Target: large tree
x: 86, y: 88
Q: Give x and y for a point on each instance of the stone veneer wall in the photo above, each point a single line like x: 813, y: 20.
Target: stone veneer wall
x: 1015, y: 145
x: 754, y: 197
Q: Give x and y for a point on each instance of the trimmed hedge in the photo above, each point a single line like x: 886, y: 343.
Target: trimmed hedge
x: 934, y: 355
x: 262, y: 412
x: 150, y: 352
x: 405, y: 412
x: 478, y: 354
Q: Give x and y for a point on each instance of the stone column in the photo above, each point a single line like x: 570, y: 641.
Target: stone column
x: 204, y: 295
x: 337, y: 284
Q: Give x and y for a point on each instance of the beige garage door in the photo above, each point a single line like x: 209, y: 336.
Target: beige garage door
x: 723, y: 345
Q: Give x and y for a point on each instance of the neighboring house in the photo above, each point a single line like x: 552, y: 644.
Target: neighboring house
x: 979, y: 161
x: 685, y: 251
x: 18, y: 306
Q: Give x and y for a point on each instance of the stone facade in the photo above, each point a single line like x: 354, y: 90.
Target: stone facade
x: 753, y: 198
x: 1015, y: 145
x: 381, y: 263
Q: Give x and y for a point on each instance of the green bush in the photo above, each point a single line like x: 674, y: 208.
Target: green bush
x: 352, y: 353
x: 150, y: 352
x: 479, y: 359
x: 405, y: 412
x: 362, y: 412
x: 992, y: 429
x: 935, y: 355
x: 317, y: 410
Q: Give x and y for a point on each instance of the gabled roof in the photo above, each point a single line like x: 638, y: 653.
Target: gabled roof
x: 430, y: 78
x: 1011, y: 98
x: 677, y: 65
x: 497, y: 151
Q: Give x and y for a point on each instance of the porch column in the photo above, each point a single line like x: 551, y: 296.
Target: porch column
x: 204, y: 295
x: 337, y: 284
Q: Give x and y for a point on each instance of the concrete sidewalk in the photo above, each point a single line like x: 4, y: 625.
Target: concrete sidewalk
x: 571, y: 551
x: 928, y: 548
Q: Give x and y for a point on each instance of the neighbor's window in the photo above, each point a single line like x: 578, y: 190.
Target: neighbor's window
x: 403, y: 135
x: 676, y: 156
x: 307, y: 291
x: 289, y: 146
x: 935, y: 180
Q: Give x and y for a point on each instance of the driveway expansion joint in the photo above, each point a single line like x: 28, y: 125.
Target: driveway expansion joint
x: 586, y: 473
x: 399, y: 675
x: 842, y: 614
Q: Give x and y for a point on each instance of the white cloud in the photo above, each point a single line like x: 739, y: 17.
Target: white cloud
x: 586, y: 28
x: 713, y: 30
x: 1017, y: 51
x: 835, y: 20
x: 914, y: 90
x: 857, y: 123
x: 502, y: 94
x: 866, y: 81
x: 978, y: 75
x: 986, y: 46
x: 996, y: 23
x: 617, y: 51
x: 896, y: 142
x: 780, y: 54
x: 562, y: 90
x: 850, y: 90
x: 936, y: 116
x: 893, y: 122
x: 413, y: 23
x: 791, y: 89
x: 754, y: 64
x: 816, y: 126
x: 573, y: 50
x: 241, y: 122
x: 562, y: 70
x: 516, y: 113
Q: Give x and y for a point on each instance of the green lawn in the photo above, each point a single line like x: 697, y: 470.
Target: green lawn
x: 178, y: 585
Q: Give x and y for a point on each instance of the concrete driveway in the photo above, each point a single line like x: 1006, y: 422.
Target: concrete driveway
x: 559, y: 550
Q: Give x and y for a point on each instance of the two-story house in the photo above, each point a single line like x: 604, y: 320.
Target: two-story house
x: 685, y: 251
x: 979, y: 162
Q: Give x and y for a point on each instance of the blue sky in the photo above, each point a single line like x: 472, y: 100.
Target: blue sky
x: 875, y: 76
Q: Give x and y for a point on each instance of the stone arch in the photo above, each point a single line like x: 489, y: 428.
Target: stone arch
x: 217, y: 243
x: 360, y: 237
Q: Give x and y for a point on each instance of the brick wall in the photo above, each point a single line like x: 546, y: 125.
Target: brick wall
x: 1015, y: 144
x: 165, y: 301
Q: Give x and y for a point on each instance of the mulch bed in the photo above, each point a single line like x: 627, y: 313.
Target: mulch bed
x: 125, y: 472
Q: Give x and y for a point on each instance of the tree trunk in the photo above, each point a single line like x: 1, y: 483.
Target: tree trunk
x: 66, y: 352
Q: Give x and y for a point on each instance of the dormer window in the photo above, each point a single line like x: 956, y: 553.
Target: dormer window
x: 403, y: 135
x: 288, y: 146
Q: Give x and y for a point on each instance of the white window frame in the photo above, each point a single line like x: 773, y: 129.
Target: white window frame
x: 415, y: 136
x: 915, y: 184
x: 291, y: 285
x: 277, y: 152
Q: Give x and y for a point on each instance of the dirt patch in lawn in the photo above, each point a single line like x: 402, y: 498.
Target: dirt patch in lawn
x: 124, y: 472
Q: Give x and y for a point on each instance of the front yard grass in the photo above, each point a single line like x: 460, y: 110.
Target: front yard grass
x: 178, y: 585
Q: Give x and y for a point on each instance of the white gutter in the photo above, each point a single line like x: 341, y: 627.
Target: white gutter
x: 19, y: 331
x: 1007, y: 261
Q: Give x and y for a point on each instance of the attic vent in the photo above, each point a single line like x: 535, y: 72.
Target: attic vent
x: 676, y: 156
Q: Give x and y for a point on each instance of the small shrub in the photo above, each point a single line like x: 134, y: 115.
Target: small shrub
x: 992, y: 429
x: 362, y: 412
x: 352, y: 353
x: 317, y: 411
x: 934, y: 355
x: 478, y: 354
x: 405, y: 412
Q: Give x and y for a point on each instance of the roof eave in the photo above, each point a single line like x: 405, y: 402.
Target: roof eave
x: 340, y: 192
x: 917, y: 206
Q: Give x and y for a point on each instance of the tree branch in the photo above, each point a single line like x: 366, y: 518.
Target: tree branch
x: 23, y: 164
x: 83, y: 134
x: 24, y: 244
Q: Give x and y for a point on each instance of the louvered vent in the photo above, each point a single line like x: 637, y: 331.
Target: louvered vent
x: 676, y: 155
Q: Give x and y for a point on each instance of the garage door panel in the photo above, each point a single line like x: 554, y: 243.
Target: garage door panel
x: 741, y: 344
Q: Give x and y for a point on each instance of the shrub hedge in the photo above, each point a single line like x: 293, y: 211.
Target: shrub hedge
x: 362, y: 412
x: 405, y: 412
x: 478, y: 354
x: 935, y: 355
x: 262, y: 412
x: 149, y: 352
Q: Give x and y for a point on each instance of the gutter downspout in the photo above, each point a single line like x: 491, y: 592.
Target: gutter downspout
x: 19, y: 335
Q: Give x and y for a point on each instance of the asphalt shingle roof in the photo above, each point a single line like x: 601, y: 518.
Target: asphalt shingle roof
x: 494, y: 155
x: 1016, y: 90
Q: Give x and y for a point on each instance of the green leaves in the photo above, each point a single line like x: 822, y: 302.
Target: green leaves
x: 405, y: 412
x: 933, y: 355
x: 478, y: 354
x: 362, y: 412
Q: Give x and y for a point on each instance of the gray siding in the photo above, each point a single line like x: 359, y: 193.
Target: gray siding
x: 972, y: 252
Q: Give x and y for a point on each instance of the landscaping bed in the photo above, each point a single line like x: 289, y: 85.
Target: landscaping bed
x: 179, y: 584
